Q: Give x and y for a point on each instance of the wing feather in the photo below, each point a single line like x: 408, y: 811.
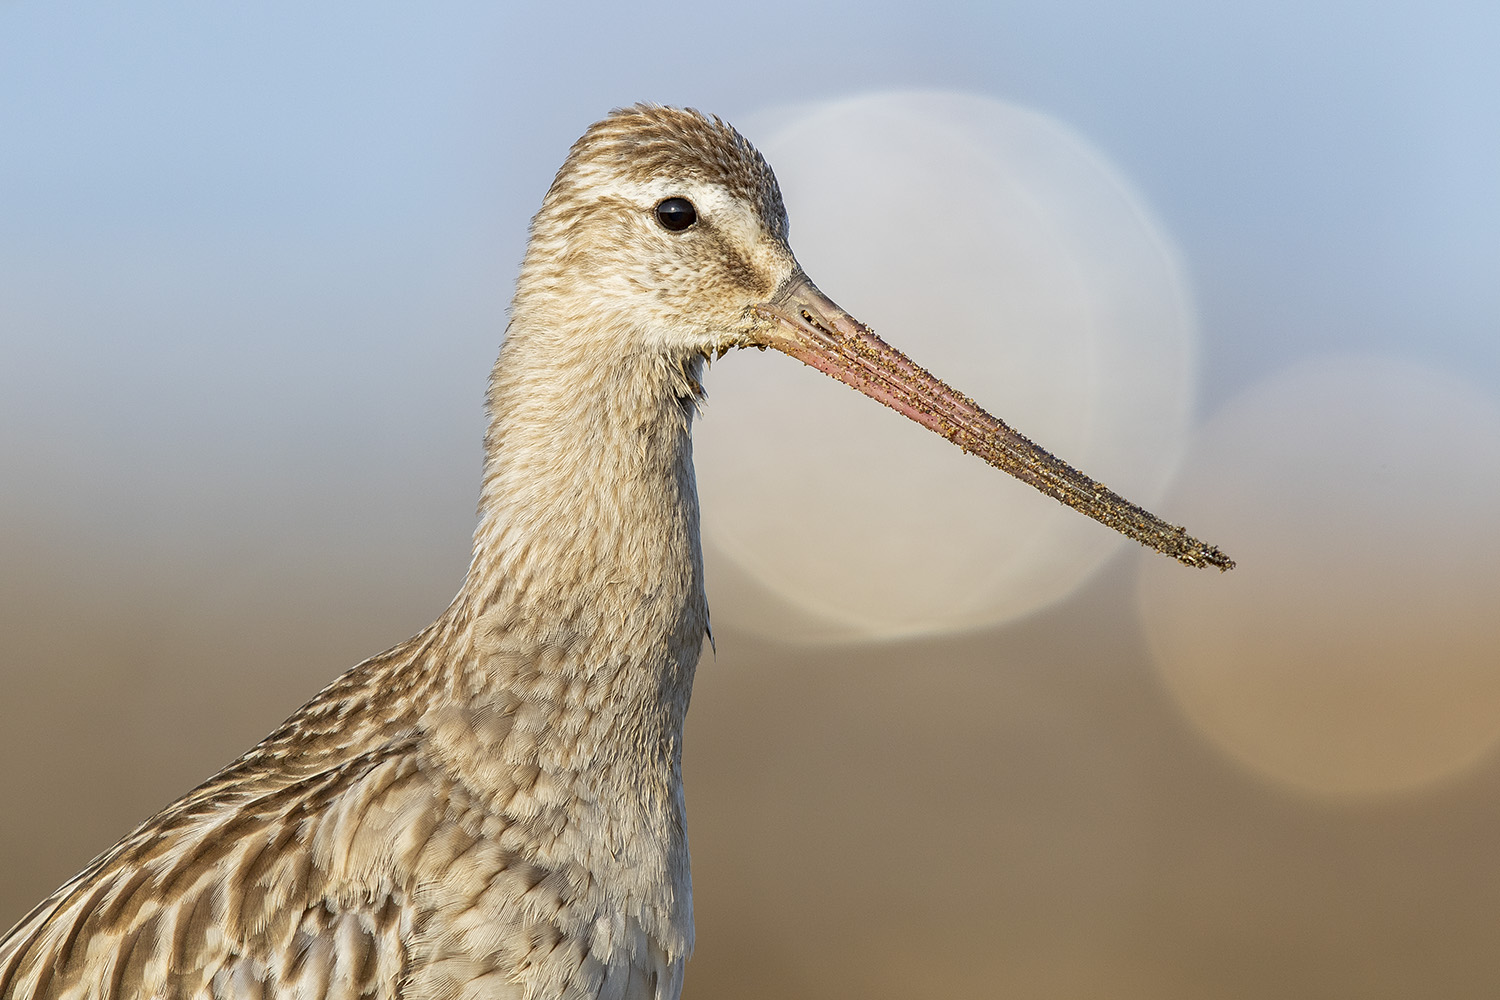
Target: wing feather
x: 357, y: 853
x: 209, y: 907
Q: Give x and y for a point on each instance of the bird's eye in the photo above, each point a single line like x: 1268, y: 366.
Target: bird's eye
x: 676, y: 214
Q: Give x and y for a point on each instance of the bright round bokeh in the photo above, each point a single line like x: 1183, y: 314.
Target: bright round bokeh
x: 1355, y: 650
x: 1001, y: 251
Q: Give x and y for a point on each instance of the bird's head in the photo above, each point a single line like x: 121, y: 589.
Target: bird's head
x: 665, y: 233
x: 668, y: 227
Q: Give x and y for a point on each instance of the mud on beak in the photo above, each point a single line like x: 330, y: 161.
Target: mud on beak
x: 810, y: 327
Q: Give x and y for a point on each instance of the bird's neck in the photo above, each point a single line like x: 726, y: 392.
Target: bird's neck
x: 588, y: 533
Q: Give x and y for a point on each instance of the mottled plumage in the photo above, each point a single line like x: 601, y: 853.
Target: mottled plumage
x: 493, y: 809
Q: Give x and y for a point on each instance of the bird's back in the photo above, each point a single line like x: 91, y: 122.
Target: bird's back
x: 350, y: 854
x: 215, y: 887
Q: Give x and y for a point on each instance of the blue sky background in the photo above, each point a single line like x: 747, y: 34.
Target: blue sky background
x: 323, y: 205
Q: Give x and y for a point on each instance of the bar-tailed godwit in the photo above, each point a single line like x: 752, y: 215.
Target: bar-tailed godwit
x: 493, y: 808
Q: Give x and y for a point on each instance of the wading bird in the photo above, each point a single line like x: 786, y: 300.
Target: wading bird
x: 493, y: 808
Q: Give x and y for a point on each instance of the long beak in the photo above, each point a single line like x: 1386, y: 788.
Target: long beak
x: 811, y: 328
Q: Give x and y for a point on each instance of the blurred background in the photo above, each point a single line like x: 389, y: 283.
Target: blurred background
x: 1240, y: 261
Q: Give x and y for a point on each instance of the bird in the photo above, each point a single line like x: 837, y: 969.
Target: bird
x: 494, y: 807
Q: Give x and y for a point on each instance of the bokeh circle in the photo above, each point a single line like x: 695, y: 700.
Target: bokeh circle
x: 1003, y: 252
x: 1355, y: 650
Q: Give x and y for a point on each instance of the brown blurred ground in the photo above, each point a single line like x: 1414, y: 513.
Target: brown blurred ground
x: 1017, y: 812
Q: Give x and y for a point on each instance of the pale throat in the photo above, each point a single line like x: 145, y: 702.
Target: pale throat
x: 588, y: 510
x: 587, y: 574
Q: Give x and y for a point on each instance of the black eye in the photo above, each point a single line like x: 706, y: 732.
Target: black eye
x: 676, y: 214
